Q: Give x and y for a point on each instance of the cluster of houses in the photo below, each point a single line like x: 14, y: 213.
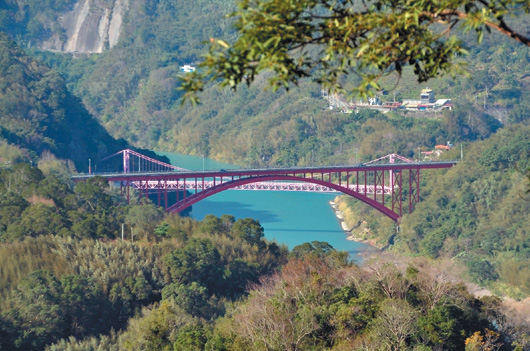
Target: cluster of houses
x: 427, y: 102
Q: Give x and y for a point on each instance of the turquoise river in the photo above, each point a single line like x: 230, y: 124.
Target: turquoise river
x: 291, y: 218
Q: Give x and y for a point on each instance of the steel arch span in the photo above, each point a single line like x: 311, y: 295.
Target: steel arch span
x: 194, y: 198
x: 393, y: 189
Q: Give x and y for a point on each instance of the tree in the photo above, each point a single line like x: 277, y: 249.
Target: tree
x: 198, y: 261
x: 395, y: 322
x: 192, y: 298
x: 85, y: 313
x: 145, y: 217
x: 37, y: 312
x: 325, y: 39
x: 210, y: 224
x: 11, y: 207
x: 286, y: 308
x: 96, y: 215
x: 444, y: 325
x: 190, y: 338
x: 155, y: 329
x: 41, y: 219
x: 318, y: 248
x: 488, y: 342
x: 249, y: 230
x: 93, y: 195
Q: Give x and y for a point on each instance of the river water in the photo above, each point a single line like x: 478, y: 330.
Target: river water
x: 291, y: 218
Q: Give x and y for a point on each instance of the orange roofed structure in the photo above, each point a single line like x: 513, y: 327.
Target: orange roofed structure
x: 443, y: 147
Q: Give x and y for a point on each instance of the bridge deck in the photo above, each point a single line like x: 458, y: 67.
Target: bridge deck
x: 268, y: 171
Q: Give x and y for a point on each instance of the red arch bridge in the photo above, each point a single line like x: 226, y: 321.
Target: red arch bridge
x: 390, y: 184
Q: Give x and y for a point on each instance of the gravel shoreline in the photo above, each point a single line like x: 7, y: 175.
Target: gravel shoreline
x: 347, y: 230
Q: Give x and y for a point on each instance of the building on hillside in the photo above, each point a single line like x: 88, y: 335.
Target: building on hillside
x: 443, y: 104
x: 443, y: 147
x: 187, y: 68
x: 427, y: 96
x: 435, y: 154
x: 427, y: 102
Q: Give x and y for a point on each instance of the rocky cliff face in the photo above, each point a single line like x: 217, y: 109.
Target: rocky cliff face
x: 91, y: 27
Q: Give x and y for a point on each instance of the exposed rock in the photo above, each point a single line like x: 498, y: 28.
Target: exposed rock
x: 91, y: 27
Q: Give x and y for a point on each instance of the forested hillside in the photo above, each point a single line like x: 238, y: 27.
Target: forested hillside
x: 70, y: 279
x: 41, y: 122
x: 131, y: 89
x: 478, y: 212
x: 60, y: 286
x: 82, y: 270
x: 39, y: 114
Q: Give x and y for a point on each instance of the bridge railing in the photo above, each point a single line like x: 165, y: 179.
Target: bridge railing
x: 229, y: 170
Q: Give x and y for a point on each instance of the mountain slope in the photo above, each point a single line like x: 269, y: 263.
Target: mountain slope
x: 38, y: 113
x: 131, y: 88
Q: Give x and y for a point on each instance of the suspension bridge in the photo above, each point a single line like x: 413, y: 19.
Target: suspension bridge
x: 390, y: 184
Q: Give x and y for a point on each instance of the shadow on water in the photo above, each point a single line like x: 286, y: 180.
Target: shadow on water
x: 227, y: 207
x: 322, y: 231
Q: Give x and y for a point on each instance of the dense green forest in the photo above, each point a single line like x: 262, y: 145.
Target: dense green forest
x: 39, y: 114
x: 68, y: 281
x: 58, y: 281
x: 477, y: 213
x: 132, y: 90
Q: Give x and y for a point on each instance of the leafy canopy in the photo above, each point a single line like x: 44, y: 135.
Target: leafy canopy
x: 327, y: 39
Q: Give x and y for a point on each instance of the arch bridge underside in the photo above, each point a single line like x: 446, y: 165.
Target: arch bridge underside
x: 378, y: 201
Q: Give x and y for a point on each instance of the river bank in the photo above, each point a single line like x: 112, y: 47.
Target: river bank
x: 350, y: 235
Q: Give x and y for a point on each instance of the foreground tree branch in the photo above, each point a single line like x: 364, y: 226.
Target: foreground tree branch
x: 371, y: 39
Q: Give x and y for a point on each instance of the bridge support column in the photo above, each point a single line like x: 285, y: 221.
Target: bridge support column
x: 159, y: 192
x: 365, y: 183
x: 165, y: 195
x: 397, y: 199
x: 126, y: 161
x: 378, y: 183
x: 383, y: 186
x: 414, y: 188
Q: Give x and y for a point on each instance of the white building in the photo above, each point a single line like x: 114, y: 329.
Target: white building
x: 187, y: 68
